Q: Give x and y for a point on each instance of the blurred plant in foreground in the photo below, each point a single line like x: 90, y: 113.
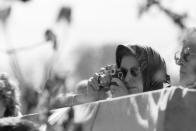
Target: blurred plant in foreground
x: 178, y: 19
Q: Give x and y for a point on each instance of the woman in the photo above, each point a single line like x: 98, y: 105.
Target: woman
x: 143, y: 70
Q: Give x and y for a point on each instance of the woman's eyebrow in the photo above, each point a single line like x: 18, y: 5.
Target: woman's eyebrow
x: 133, y: 67
x: 123, y: 68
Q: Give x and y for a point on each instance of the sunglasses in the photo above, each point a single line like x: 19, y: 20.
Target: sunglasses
x: 184, y: 56
x: 134, y: 71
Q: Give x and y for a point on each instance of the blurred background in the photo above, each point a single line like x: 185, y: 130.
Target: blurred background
x: 83, y: 35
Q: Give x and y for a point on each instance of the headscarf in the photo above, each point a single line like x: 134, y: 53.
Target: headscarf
x: 150, y: 63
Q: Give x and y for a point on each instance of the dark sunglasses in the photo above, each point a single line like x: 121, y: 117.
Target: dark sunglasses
x: 184, y: 56
x: 134, y: 71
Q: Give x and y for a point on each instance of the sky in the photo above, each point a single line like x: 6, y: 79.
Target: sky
x: 98, y: 22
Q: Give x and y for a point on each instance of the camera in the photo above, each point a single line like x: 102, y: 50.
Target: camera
x: 106, y: 74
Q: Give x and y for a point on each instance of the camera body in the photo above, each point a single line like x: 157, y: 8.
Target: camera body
x: 106, y: 74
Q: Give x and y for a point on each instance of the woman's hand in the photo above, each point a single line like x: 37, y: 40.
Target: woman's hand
x: 118, y: 89
x: 94, y: 92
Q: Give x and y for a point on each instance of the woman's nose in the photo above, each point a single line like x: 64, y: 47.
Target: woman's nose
x: 128, y: 77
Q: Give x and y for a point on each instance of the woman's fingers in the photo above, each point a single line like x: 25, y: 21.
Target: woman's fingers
x: 118, y: 89
x: 117, y: 82
x: 113, y: 88
x: 93, y: 81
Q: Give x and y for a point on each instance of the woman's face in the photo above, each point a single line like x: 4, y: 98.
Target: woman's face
x: 188, y: 68
x: 2, y: 109
x: 132, y: 74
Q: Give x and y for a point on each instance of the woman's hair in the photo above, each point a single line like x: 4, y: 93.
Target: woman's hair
x: 9, y: 95
x: 150, y: 63
x: 153, y: 65
x: 122, y: 51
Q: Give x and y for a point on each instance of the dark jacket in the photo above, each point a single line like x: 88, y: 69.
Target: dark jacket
x: 17, y: 124
x: 9, y: 94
